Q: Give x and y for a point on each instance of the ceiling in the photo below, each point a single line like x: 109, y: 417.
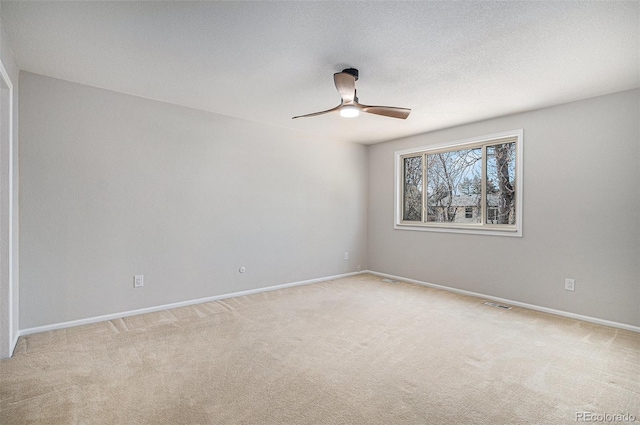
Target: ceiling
x: 450, y: 62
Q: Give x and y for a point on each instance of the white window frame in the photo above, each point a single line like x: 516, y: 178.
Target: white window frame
x: 481, y: 228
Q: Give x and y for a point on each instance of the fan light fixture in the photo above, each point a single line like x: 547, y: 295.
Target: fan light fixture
x: 349, y: 111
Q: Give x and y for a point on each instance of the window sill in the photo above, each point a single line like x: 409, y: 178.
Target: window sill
x: 505, y: 230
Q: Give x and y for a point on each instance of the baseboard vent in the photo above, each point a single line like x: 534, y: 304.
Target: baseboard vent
x: 506, y: 307
x: 390, y: 281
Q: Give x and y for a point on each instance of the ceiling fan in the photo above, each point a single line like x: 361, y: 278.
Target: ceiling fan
x: 349, y: 107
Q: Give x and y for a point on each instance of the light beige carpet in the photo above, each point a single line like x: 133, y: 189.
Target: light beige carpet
x: 351, y: 351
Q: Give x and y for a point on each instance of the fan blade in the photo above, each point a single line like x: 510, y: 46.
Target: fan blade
x: 318, y: 113
x: 346, y: 85
x: 387, y: 111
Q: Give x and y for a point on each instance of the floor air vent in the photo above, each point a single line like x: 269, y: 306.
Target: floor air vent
x: 390, y: 281
x: 506, y: 307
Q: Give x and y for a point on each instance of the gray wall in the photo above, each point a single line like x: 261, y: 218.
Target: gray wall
x: 581, y: 215
x: 113, y: 185
x: 8, y: 208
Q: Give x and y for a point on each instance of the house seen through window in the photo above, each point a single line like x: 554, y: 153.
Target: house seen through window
x: 467, y: 186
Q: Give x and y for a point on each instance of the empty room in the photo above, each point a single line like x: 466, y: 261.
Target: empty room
x: 319, y: 212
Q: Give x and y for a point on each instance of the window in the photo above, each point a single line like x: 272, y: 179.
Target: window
x: 472, y: 186
x: 468, y: 212
x: 492, y: 215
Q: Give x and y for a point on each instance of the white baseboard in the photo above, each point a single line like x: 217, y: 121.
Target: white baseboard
x: 515, y: 303
x: 96, y: 319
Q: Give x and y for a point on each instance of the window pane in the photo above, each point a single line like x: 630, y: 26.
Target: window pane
x: 412, y: 208
x: 454, y: 181
x: 501, y: 184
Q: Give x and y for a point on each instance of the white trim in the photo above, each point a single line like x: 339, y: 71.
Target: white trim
x: 14, y: 342
x: 468, y: 229
x: 96, y: 319
x: 515, y: 303
x: 477, y: 140
x: 454, y: 229
x: 13, y: 339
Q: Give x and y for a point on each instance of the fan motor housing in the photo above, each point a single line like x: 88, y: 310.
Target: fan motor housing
x: 351, y: 71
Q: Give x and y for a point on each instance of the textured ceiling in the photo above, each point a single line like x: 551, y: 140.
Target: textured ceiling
x: 450, y: 62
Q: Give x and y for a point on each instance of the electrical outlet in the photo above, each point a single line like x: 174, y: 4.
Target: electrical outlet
x: 346, y: 255
x: 358, y: 267
x: 570, y: 284
x: 138, y: 281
